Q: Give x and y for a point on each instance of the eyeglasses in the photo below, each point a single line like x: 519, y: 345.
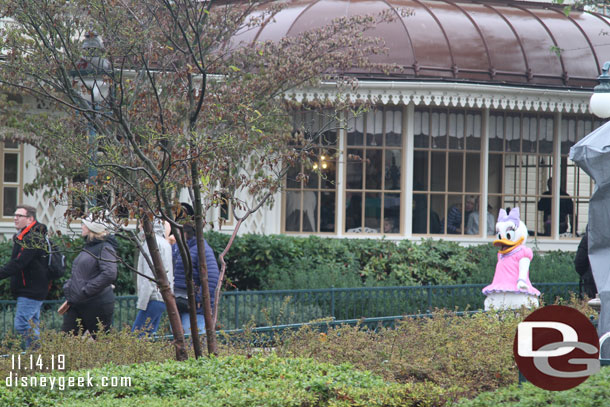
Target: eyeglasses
x: 18, y: 215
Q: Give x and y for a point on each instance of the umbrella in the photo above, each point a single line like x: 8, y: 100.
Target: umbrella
x: 592, y: 154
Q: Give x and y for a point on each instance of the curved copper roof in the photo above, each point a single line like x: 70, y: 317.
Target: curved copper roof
x: 508, y: 42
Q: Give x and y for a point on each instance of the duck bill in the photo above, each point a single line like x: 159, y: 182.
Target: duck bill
x: 507, y: 245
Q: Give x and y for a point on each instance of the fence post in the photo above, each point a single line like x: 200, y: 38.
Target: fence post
x: 237, y: 310
x: 332, y: 302
x: 429, y: 288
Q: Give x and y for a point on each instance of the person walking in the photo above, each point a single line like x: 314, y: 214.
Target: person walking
x: 566, y: 209
x: 89, y: 291
x: 27, y: 270
x: 180, y: 279
x: 150, y: 302
x: 582, y: 265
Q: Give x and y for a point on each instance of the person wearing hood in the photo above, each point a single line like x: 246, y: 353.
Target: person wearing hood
x: 27, y: 270
x: 89, y: 291
x: 150, y: 302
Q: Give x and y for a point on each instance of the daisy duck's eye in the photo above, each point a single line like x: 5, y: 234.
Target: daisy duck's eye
x: 509, y: 235
x: 500, y: 236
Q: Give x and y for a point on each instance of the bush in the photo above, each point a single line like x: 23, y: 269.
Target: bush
x: 117, y: 347
x: 464, y: 355
x: 591, y: 393
x: 231, y: 381
x: 431, y: 362
x: 257, y: 262
x: 309, y: 273
x: 434, y: 350
x: 276, y: 262
x: 273, y: 312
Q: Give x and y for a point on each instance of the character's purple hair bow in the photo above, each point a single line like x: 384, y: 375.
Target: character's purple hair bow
x: 513, y: 216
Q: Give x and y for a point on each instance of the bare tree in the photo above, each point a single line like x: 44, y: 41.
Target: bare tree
x: 169, y: 100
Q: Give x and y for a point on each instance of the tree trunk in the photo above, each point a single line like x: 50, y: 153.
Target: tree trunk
x: 210, y: 326
x: 165, y: 289
x: 185, y: 254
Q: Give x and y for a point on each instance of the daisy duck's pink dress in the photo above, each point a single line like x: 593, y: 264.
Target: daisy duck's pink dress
x: 507, y: 273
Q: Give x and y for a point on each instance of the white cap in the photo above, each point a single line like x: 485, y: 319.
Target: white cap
x: 95, y: 226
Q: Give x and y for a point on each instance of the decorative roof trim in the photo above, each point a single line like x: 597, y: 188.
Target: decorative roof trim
x: 451, y: 95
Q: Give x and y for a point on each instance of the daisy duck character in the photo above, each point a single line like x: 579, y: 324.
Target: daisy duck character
x: 511, y: 287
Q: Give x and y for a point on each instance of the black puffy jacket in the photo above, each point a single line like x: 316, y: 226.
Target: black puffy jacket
x: 27, y: 267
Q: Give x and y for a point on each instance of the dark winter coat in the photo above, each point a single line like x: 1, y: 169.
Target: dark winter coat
x: 93, y: 272
x: 27, y: 267
x: 583, y: 267
x: 212, y: 265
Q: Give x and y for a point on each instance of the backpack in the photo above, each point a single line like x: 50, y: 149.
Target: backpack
x: 56, y: 266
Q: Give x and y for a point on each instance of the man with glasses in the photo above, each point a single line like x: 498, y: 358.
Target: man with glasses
x: 27, y: 269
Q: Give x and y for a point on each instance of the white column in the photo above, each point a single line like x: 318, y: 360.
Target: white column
x: 556, y: 177
x: 407, y: 168
x: 340, y: 184
x: 484, y: 171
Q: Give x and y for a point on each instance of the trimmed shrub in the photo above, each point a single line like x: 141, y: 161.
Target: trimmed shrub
x: 430, y: 362
x: 464, y: 355
x: 594, y: 392
x: 230, y: 381
x: 117, y: 347
x: 436, y: 350
x: 258, y: 262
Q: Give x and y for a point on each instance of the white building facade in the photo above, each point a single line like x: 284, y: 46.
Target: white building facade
x: 488, y: 100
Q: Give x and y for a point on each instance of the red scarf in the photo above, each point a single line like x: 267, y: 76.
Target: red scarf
x: 20, y: 237
x: 26, y: 230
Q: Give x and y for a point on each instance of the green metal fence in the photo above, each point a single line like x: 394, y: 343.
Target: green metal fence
x: 267, y: 308
x: 124, y: 313
x: 285, y: 307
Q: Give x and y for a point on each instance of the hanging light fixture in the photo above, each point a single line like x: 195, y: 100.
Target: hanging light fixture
x: 600, y: 100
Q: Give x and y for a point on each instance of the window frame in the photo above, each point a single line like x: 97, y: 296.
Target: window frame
x: 429, y: 149
x: 18, y: 184
x: 579, y: 176
x: 318, y: 190
x: 383, y: 191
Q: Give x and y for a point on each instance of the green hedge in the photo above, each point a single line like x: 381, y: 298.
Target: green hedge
x: 595, y: 392
x: 287, y: 262
x: 230, y: 381
x: 258, y: 262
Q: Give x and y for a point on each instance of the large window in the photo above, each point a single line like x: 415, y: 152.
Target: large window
x: 10, y: 162
x: 373, y: 173
x: 446, y: 171
x: 310, y: 193
x: 521, y: 167
x: 576, y: 185
x: 449, y: 179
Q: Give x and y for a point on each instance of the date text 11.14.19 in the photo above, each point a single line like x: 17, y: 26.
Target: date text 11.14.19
x: 38, y: 362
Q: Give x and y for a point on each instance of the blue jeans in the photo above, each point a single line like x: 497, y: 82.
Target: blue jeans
x: 148, y: 321
x: 186, y: 323
x: 27, y: 310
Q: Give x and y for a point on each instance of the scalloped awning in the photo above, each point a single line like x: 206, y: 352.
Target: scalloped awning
x: 499, y: 42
